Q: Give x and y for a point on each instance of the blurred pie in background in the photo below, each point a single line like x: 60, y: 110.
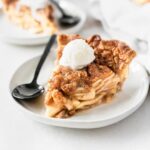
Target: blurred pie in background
x: 142, y: 1
x: 36, y: 17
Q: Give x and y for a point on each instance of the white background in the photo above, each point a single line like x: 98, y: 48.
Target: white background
x: 17, y: 132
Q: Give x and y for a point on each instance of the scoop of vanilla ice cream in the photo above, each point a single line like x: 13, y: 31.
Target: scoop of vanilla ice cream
x: 77, y: 54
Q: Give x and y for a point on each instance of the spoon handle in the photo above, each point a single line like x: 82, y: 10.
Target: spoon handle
x: 43, y: 57
x: 59, y: 7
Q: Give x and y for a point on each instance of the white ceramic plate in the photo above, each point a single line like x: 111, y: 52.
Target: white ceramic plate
x: 124, y: 103
x: 15, y: 35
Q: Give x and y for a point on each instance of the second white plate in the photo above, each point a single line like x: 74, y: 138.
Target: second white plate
x: 124, y: 103
x: 13, y: 34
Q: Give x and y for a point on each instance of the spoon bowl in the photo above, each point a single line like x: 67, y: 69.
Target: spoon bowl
x: 65, y: 20
x: 27, y: 91
x: 68, y: 21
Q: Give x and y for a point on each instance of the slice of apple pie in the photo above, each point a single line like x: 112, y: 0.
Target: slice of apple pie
x: 89, y: 72
x: 35, y: 16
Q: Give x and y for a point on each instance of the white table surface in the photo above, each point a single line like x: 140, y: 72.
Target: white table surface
x: 17, y: 132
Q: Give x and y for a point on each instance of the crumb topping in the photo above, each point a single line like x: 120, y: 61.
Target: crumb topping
x: 111, y: 57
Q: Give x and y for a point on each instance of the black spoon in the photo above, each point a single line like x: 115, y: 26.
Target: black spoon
x: 66, y: 20
x: 33, y: 90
